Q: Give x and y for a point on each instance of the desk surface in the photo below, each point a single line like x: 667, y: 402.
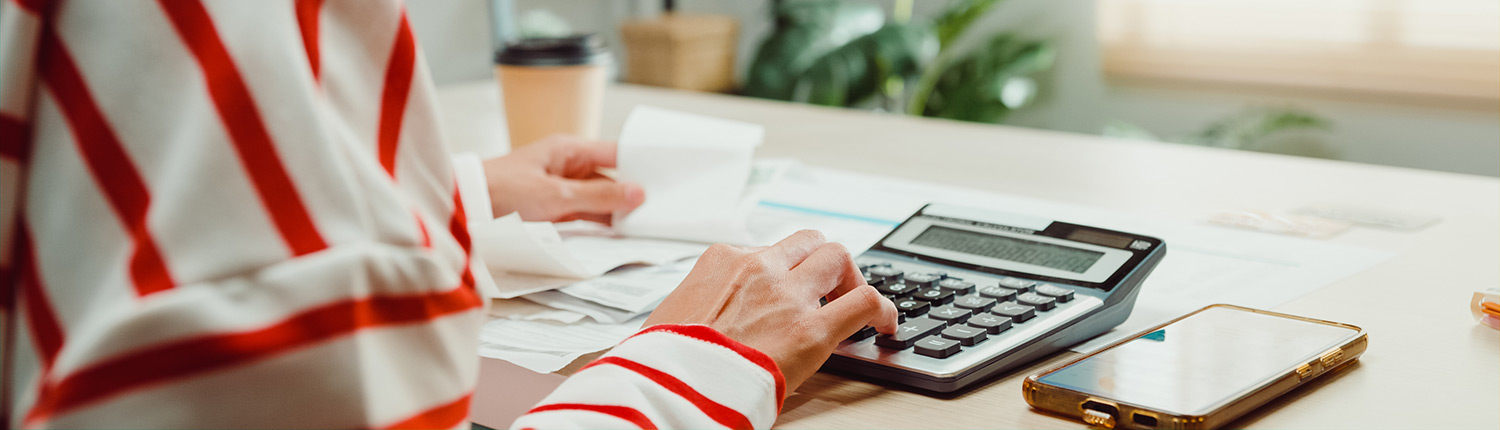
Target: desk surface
x: 1429, y: 365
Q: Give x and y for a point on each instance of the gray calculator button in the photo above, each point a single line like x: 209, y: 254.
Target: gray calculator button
x: 977, y: 303
x: 937, y: 347
x: 911, y: 307
x: 994, y: 324
x: 937, y: 296
x: 1017, y: 313
x: 1063, y: 295
x: 951, y: 314
x: 908, y: 332
x: 887, y: 273
x: 922, y: 280
x: 998, y: 293
x: 1038, y: 301
x: 965, y: 334
x: 957, y: 286
x: 1017, y: 284
x: 895, y: 289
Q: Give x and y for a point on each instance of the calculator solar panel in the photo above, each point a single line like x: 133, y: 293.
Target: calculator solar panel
x: 981, y: 292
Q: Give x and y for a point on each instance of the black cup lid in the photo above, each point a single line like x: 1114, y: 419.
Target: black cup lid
x: 572, y: 50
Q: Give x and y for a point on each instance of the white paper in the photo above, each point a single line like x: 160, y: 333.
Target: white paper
x: 544, y: 346
x: 527, y: 257
x: 694, y: 170
x: 1204, y: 264
x: 598, y: 312
x: 633, y: 290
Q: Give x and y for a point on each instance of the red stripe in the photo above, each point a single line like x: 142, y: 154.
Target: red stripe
x: 458, y: 225
x: 34, y: 6
x: 707, y: 334
x: 107, y: 160
x: 15, y: 139
x: 46, y: 331
x: 622, y: 412
x: 718, y: 412
x: 242, y: 119
x: 393, y: 101
x: 164, y: 363
x: 422, y: 225
x: 307, y: 21
x: 446, y: 416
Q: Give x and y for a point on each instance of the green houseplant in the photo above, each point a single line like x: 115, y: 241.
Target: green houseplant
x: 838, y: 53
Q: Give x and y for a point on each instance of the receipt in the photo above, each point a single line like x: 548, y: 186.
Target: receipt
x: 695, y: 170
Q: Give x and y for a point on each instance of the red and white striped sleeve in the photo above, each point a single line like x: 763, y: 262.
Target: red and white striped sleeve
x: 228, y: 214
x: 667, y: 376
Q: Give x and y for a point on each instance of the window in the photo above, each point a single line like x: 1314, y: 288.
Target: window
x: 1427, y: 48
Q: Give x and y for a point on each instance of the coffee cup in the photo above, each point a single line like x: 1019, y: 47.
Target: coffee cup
x: 552, y: 86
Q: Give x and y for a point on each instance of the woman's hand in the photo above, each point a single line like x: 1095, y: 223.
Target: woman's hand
x: 557, y: 179
x: 767, y: 299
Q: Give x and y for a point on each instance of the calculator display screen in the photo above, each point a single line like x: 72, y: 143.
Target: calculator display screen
x: 1008, y: 248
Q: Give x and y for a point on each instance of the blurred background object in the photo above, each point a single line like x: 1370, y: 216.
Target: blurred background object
x: 1413, y: 83
x: 682, y: 51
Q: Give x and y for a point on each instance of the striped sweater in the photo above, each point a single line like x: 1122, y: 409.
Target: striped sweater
x: 241, y: 214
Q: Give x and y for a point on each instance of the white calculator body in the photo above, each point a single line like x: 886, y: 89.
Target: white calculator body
x: 981, y: 292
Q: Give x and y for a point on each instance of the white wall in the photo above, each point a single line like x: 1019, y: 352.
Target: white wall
x: 1078, y: 98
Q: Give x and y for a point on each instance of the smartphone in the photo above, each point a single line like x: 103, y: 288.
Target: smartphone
x: 1199, y: 371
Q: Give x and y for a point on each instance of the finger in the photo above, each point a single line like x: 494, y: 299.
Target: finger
x: 790, y: 252
x: 831, y: 270
x: 581, y: 158
x: 599, y: 196
x: 859, y: 307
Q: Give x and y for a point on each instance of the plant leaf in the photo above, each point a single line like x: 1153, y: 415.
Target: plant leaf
x: 854, y: 72
x: 806, y: 31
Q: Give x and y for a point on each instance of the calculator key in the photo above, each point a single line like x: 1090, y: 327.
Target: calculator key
x: 895, y: 289
x: 951, y: 314
x: 1063, y: 295
x: 994, y: 324
x: 977, y: 303
x: 863, y: 334
x: 908, y: 333
x: 937, y: 347
x: 1017, y: 284
x: 874, y: 281
x: 935, y: 295
x: 887, y: 273
x: 1038, y: 301
x: 957, y: 286
x: 998, y: 293
x: 966, y: 335
x: 1017, y: 313
x: 911, y: 307
x: 922, y: 280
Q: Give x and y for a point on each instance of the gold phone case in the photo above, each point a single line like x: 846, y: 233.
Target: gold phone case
x: 1071, y: 403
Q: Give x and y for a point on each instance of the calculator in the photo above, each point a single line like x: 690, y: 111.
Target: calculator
x: 981, y: 292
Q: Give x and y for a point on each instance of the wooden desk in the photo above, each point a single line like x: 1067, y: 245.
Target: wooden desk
x: 1429, y: 365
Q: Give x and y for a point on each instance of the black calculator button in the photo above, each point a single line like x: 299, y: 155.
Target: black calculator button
x: 937, y: 347
x: 998, y: 293
x: 886, y: 273
x: 874, y: 281
x: 935, y: 295
x: 911, y: 307
x: 908, y: 333
x: 1017, y: 313
x: 994, y: 324
x: 957, y: 286
x: 977, y: 303
x: 922, y: 280
x: 951, y: 314
x: 1063, y: 295
x: 1039, y: 301
x: 895, y: 289
x: 863, y: 334
x: 1017, y: 284
x: 965, y: 334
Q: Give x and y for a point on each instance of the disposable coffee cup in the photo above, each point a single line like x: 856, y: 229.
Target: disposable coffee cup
x: 552, y: 86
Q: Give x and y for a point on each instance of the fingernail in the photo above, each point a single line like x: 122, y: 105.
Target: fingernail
x: 634, y: 195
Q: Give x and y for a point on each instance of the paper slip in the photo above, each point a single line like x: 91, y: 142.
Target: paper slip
x: 695, y: 170
x: 635, y: 289
x: 545, y: 346
x: 526, y: 257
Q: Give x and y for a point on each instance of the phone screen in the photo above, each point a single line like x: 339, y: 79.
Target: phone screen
x: 1197, y: 364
